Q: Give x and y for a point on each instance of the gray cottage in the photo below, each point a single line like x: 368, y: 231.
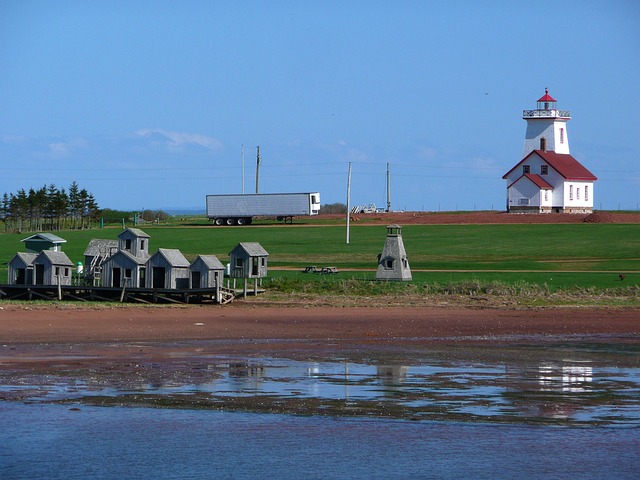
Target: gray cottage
x: 134, y: 241
x: 21, y: 269
x: 52, y: 268
x: 124, y: 270
x: 43, y: 241
x: 95, y: 254
x: 168, y: 268
x: 206, y: 272
x: 248, y: 260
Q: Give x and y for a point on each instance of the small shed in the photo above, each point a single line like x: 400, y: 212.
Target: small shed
x: 21, y: 269
x: 248, y: 260
x: 123, y: 269
x: 393, y: 263
x: 206, y: 272
x: 168, y: 268
x: 95, y: 254
x: 43, y: 241
x: 52, y: 268
x: 134, y: 241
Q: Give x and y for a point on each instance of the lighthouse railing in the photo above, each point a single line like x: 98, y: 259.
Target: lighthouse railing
x: 546, y: 113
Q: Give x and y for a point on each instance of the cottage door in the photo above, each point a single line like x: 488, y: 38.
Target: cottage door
x: 39, y: 274
x: 116, y: 277
x: 158, y: 277
x: 195, y: 279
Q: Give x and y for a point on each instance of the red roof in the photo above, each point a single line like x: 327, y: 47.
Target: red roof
x: 547, y: 97
x: 537, y: 180
x: 567, y: 166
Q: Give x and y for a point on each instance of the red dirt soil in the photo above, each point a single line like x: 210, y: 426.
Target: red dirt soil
x: 486, y: 217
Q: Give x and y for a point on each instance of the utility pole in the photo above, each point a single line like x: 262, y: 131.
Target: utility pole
x: 257, y: 168
x: 388, y: 189
x: 348, y: 200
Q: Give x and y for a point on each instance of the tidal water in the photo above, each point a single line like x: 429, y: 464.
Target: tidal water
x: 53, y: 442
x: 554, y: 410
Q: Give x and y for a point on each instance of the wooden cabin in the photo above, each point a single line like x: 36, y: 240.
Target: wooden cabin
x: 206, y: 272
x: 248, y: 260
x: 43, y: 241
x: 134, y: 241
x: 52, y: 268
x: 95, y: 254
x: 21, y: 269
x: 168, y: 268
x: 123, y: 269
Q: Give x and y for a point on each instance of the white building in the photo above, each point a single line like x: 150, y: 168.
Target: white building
x: 548, y: 179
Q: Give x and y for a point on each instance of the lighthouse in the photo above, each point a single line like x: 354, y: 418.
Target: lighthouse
x: 548, y: 179
x: 546, y: 127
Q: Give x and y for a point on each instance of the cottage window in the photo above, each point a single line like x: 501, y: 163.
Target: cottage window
x: 127, y: 244
x: 577, y: 194
x: 570, y: 192
x: 526, y: 169
x: 544, y: 169
x: 546, y: 195
x: 127, y: 273
x: 263, y: 261
x: 586, y: 193
x: 142, y: 245
x: 66, y: 271
x: 57, y: 270
x: 239, y: 262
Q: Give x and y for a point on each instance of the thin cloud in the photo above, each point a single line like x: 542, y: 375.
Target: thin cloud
x: 178, y: 140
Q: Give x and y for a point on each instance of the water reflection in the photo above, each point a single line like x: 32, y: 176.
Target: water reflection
x: 568, y: 390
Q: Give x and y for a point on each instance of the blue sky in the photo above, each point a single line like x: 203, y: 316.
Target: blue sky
x: 147, y: 104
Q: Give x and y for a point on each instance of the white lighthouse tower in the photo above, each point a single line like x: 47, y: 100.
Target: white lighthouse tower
x: 546, y: 127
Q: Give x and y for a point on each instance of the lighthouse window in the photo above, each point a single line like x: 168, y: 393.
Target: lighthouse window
x: 526, y: 169
x: 562, y: 135
x: 543, y: 144
x: 544, y: 169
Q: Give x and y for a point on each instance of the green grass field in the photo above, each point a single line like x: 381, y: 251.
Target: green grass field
x: 557, y: 256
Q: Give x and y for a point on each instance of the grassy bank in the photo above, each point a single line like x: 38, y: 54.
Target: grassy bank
x: 527, y: 261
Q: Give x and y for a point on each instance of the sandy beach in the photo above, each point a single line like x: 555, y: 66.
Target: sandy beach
x: 24, y: 324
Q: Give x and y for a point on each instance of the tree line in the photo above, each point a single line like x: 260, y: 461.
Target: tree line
x: 48, y: 208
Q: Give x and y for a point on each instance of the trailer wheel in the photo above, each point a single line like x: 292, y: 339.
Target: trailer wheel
x: 218, y: 221
x: 240, y: 221
x: 229, y: 221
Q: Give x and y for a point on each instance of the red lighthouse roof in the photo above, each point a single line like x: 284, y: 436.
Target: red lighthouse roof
x: 547, y: 97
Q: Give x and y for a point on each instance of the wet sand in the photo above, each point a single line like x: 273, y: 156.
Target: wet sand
x: 21, y: 324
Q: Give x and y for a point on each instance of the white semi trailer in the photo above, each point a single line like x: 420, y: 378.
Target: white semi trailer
x: 239, y: 209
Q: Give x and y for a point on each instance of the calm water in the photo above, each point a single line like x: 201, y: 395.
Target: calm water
x: 54, y: 442
x: 558, y: 410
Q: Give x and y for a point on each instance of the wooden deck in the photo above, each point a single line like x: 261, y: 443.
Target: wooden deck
x: 111, y: 294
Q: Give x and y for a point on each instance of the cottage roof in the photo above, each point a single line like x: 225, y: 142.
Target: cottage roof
x: 47, y: 237
x: 140, y: 260
x: 136, y: 232
x: 253, y: 249
x: 99, y: 246
x: 26, y: 257
x: 563, y: 163
x: 537, y: 180
x: 56, y: 258
x: 174, y: 257
x: 210, y: 261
